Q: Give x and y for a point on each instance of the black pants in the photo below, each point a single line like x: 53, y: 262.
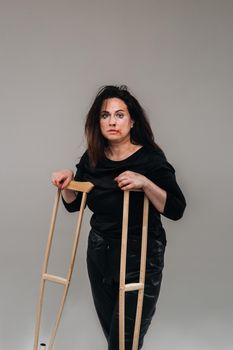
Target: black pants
x: 103, y: 258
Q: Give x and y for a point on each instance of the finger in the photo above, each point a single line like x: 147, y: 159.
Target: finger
x: 61, y: 178
x: 123, y: 178
x: 58, y: 182
x: 127, y: 187
x: 65, y: 183
x: 54, y: 181
x: 124, y: 183
x: 118, y: 178
x: 121, y: 175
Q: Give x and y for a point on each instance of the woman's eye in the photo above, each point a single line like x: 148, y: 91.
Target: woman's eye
x: 119, y: 115
x: 104, y: 116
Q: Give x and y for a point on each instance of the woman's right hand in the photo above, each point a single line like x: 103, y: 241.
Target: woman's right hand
x: 62, y: 178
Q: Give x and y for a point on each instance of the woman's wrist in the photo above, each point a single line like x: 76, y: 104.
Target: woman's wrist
x: 146, y: 184
x: 68, y: 195
x: 155, y: 194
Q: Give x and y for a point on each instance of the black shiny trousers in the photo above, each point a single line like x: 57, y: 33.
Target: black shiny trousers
x: 103, y: 259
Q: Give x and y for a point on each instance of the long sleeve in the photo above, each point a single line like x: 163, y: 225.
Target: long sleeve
x: 175, y: 202
x: 163, y: 175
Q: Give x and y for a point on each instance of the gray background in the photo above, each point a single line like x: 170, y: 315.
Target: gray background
x: 176, y: 56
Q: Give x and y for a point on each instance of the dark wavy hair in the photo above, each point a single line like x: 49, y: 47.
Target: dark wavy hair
x: 140, y: 134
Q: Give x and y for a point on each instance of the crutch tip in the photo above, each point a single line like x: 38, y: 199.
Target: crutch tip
x: 42, y: 346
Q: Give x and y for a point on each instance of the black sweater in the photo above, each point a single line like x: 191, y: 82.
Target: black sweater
x: 106, y: 198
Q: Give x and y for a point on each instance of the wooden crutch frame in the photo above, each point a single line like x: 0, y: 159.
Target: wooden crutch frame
x: 84, y: 187
x: 123, y: 288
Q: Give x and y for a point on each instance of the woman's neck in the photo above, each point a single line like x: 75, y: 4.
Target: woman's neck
x: 120, y: 151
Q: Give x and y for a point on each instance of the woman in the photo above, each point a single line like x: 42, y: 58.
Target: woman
x: 122, y: 155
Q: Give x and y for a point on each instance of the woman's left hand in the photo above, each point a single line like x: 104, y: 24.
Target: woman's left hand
x: 129, y: 180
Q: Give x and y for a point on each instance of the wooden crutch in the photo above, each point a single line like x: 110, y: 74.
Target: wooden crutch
x: 84, y: 187
x: 123, y: 288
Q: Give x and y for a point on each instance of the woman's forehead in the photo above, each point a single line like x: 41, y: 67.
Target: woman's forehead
x: 113, y: 104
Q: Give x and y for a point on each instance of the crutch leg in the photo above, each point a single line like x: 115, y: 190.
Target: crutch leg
x: 123, y: 288
x: 142, y: 273
x: 122, y: 271
x: 84, y: 188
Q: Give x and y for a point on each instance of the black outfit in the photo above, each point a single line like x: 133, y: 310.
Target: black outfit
x: 104, y: 241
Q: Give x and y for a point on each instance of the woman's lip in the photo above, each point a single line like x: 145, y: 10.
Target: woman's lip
x: 115, y: 131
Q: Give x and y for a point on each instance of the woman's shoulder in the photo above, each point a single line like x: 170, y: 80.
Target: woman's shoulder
x: 155, y: 154
x: 157, y: 160
x: 83, y: 160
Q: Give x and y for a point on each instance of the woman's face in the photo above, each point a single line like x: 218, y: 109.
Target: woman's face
x: 115, y: 120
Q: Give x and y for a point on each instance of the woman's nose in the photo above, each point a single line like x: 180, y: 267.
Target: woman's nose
x: 112, y: 120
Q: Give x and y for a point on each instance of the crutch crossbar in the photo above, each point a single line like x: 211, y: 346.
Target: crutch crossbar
x: 84, y: 188
x: 55, y: 279
x: 132, y: 286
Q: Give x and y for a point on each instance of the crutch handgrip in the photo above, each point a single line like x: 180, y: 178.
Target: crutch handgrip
x: 85, y: 187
